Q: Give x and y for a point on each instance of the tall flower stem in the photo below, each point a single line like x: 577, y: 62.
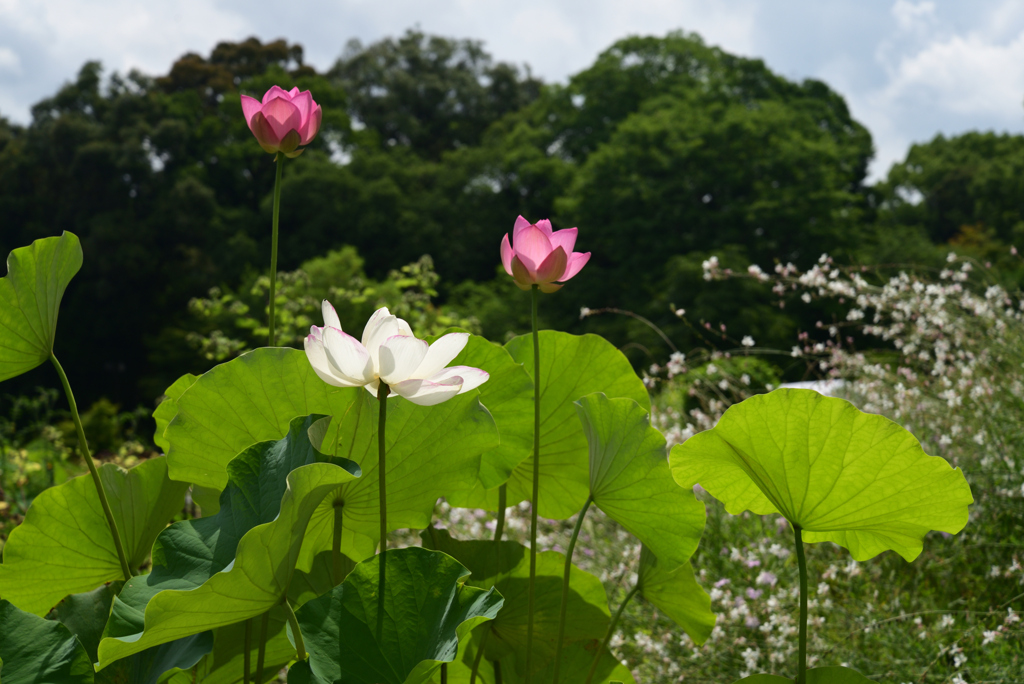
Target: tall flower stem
x: 610, y: 632
x: 300, y: 645
x: 479, y: 657
x: 83, y: 445
x: 565, y: 587
x: 261, y: 656
x: 499, y: 528
x: 339, y: 511
x: 382, y: 398
x: 534, y: 294
x: 273, y: 244
x: 801, y: 672
x: 247, y: 648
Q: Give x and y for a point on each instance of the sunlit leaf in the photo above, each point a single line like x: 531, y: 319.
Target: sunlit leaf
x: 630, y: 479
x: 853, y: 478
x: 587, y: 616
x: 166, y: 410
x: 30, y: 297
x: 427, y: 609
x: 572, y: 367
x: 154, y: 664
x: 64, y: 545
x: 212, y: 572
x: 676, y: 593
x: 34, y: 650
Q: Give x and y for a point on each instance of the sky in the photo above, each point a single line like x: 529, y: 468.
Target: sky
x: 909, y: 69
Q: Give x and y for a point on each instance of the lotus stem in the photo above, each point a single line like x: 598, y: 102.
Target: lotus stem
x: 382, y: 398
x: 565, y: 587
x: 611, y: 631
x: 444, y: 673
x: 801, y: 561
x: 247, y: 646
x: 273, y: 244
x: 479, y: 656
x: 497, y: 671
x: 499, y: 528
x: 338, y: 571
x: 262, y: 654
x: 534, y: 293
x: 300, y: 645
x: 83, y: 444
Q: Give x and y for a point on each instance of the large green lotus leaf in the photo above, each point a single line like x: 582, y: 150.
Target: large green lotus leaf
x: 587, y: 615
x: 250, y: 399
x: 676, y: 594
x: 35, y: 650
x: 577, y: 659
x: 212, y: 572
x: 30, y: 297
x: 64, y: 545
x: 630, y: 479
x: 427, y: 607
x: 85, y: 615
x: 817, y: 675
x: 572, y: 367
x: 159, y: 662
x: 166, y: 410
x: 508, y: 395
x: 430, y: 452
x: 853, y: 478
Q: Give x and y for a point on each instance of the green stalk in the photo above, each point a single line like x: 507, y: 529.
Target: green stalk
x: 336, y: 544
x: 499, y: 528
x: 300, y: 645
x: 83, y: 444
x: 262, y: 654
x: 479, y: 657
x: 801, y: 672
x: 247, y: 645
x: 611, y: 631
x: 444, y: 673
x: 497, y: 671
x: 273, y: 243
x: 565, y: 587
x: 534, y: 293
x: 382, y: 398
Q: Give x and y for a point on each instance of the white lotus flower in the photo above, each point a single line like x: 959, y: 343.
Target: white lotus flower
x: 390, y: 352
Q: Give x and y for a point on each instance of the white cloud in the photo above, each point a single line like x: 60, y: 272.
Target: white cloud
x: 9, y: 61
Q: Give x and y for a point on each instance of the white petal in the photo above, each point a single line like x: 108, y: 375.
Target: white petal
x: 349, y: 359
x: 441, y: 353
x: 374, y: 385
x: 317, y: 333
x: 471, y: 377
x: 427, y: 393
x: 403, y: 328
x: 331, y: 319
x: 321, y: 365
x: 375, y: 320
x: 384, y: 328
x: 400, y: 356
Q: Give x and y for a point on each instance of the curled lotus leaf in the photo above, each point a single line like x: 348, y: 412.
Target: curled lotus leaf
x: 853, y: 478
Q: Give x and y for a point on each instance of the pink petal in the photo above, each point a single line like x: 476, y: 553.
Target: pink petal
x: 349, y: 360
x: 441, y: 353
x: 545, y: 225
x: 565, y: 238
x: 548, y: 288
x: 532, y: 244
x: 331, y: 319
x: 506, y: 254
x: 312, y: 127
x: 520, y: 224
x: 427, y: 393
x: 521, y: 274
x: 283, y: 117
x: 399, y: 357
x: 321, y: 365
x: 275, y: 92
x: 471, y: 377
x: 264, y: 133
x: 294, y: 91
x: 250, y: 105
x: 552, y: 267
x: 304, y: 103
x: 577, y: 260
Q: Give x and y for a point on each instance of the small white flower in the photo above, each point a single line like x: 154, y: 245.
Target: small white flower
x: 390, y: 352
x: 748, y: 341
x: 584, y: 312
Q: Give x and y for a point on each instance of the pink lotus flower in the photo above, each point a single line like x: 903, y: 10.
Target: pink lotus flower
x: 541, y: 256
x: 286, y: 121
